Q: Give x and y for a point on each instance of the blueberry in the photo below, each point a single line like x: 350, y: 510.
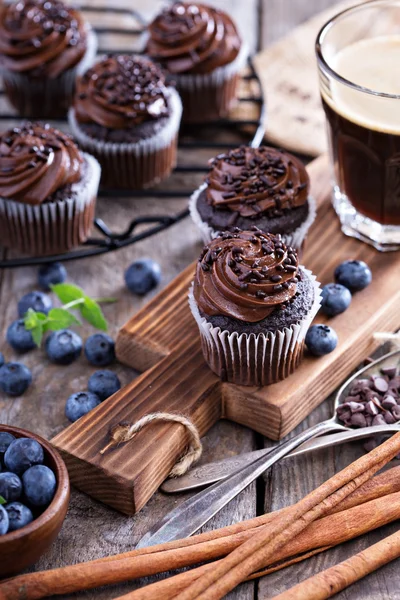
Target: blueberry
x: 20, y: 338
x: 63, y: 346
x: 321, y: 339
x: 354, y: 274
x: 5, y: 441
x: 335, y: 299
x: 15, y: 378
x: 99, y: 349
x: 104, y: 384
x: 36, y: 300
x: 10, y: 486
x: 22, y: 454
x: 142, y: 276
x: 80, y: 404
x: 51, y: 274
x: 4, y: 521
x: 2, y: 361
x: 19, y: 515
x: 39, y: 485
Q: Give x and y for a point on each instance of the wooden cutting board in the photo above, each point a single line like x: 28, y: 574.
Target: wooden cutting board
x: 289, y: 77
x: 162, y: 340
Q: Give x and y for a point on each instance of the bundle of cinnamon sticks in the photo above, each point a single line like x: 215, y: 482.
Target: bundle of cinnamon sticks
x: 349, y: 504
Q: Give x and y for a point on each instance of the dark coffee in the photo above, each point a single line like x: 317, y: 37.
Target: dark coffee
x: 367, y: 167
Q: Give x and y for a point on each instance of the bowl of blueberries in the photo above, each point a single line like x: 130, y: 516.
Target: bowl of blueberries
x: 34, y: 498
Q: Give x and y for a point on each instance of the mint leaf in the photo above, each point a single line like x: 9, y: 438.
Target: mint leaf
x: 60, y: 318
x: 35, y: 323
x: 67, y: 292
x: 32, y: 318
x: 37, y: 334
x: 2, y: 500
x: 92, y: 312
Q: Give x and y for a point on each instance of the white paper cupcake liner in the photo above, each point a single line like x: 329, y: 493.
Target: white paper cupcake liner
x: 250, y: 359
x: 210, y: 95
x: 294, y: 239
x: 54, y: 96
x: 52, y: 227
x: 135, y: 165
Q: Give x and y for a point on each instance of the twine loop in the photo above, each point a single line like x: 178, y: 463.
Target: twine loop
x: 124, y: 432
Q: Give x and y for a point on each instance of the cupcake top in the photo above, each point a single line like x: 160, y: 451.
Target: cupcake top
x: 246, y: 275
x: 41, y: 36
x: 193, y: 38
x: 35, y: 161
x: 121, y: 92
x: 257, y: 181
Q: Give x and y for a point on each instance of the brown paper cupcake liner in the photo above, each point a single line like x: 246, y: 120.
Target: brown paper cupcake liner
x: 41, y: 97
x: 135, y: 165
x: 294, y: 239
x: 52, y: 227
x: 211, y: 95
x: 249, y: 359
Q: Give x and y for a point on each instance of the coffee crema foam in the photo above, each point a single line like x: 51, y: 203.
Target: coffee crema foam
x: 372, y: 64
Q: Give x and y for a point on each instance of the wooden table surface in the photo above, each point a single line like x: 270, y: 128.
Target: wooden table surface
x: 92, y: 530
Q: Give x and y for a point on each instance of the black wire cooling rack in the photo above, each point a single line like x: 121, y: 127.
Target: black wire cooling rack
x: 251, y: 131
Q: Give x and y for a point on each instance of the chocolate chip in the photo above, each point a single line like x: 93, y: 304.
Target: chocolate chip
x: 378, y: 420
x: 371, y: 408
x: 358, y: 420
x: 380, y: 384
x: 391, y: 372
x: 389, y: 402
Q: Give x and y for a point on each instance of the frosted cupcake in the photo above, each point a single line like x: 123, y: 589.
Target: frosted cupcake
x: 262, y: 186
x: 127, y: 117
x: 253, y: 304
x: 200, y: 48
x: 48, y: 190
x: 44, y: 44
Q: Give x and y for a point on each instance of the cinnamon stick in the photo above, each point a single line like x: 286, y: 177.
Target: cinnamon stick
x: 264, y: 544
x: 317, y: 537
x: 199, y: 548
x: 337, y: 578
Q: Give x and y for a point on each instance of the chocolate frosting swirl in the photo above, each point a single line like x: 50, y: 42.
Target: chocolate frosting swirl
x: 35, y: 161
x: 245, y: 275
x: 193, y: 38
x: 41, y: 36
x: 255, y: 181
x: 121, y: 92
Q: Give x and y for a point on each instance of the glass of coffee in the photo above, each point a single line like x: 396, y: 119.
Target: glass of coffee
x: 358, y: 53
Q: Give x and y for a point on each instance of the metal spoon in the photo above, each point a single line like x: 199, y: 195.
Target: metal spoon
x: 192, y: 514
x: 216, y: 471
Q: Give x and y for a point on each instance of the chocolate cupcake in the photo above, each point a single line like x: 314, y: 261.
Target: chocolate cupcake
x: 44, y: 44
x: 253, y: 304
x: 200, y: 48
x: 48, y: 190
x: 262, y: 186
x: 128, y: 119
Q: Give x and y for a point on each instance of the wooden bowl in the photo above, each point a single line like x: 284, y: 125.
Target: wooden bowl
x: 22, y: 548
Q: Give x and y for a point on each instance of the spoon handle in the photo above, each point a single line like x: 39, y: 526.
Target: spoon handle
x: 192, y: 514
x: 215, y: 471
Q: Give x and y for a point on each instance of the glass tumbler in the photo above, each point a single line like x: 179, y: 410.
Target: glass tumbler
x: 358, y: 55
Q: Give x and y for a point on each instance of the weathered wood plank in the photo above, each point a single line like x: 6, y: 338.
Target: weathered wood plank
x: 280, y: 17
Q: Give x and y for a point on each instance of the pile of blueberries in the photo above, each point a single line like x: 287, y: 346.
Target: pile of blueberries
x: 64, y: 346
x: 350, y: 276
x: 27, y: 485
